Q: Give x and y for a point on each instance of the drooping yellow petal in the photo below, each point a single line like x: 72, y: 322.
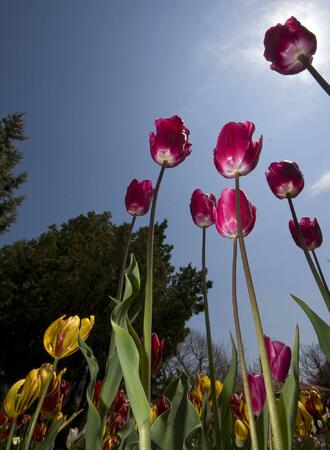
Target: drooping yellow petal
x: 241, y: 431
x: 9, y: 403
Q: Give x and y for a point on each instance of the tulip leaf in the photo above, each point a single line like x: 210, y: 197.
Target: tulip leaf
x: 223, y: 402
x: 127, y: 434
x: 94, y: 422
x: 262, y: 427
x: 288, y: 401
x: 173, y: 429
x: 49, y: 441
x: 322, y: 329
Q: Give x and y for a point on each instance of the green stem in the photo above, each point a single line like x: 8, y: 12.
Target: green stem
x: 144, y: 437
x: 209, y: 347
x: 38, y: 408
x: 124, y: 260
x: 274, y: 419
x: 317, y: 278
x: 321, y: 81
x: 240, y: 348
x: 11, y: 434
x: 147, y: 319
x: 320, y: 272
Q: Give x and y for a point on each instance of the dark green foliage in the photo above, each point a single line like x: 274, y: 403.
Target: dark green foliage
x: 11, y: 129
x: 73, y: 269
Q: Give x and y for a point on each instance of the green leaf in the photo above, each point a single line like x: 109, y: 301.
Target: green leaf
x: 174, y: 428
x: 49, y: 441
x: 262, y: 427
x: 94, y: 422
x: 322, y: 329
x: 223, y: 403
x: 127, y: 434
x: 288, y: 402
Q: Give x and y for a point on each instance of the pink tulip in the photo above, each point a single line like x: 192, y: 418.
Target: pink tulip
x: 257, y: 391
x: 170, y: 143
x: 285, y: 43
x: 311, y: 231
x: 224, y: 214
x: 236, y: 153
x: 138, y: 197
x: 279, y: 356
x: 157, y: 350
x: 285, y: 179
x: 201, y: 208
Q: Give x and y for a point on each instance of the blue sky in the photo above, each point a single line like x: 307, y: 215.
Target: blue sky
x: 92, y: 77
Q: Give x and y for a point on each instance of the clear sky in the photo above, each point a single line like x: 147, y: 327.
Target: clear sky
x: 92, y: 76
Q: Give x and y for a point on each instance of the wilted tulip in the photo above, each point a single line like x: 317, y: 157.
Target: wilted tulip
x: 201, y: 208
x: 236, y: 153
x: 285, y: 179
x: 279, y: 356
x: 304, y: 421
x: 257, y: 391
x: 157, y: 349
x: 285, y: 44
x: 224, y: 214
x: 241, y: 430
x: 61, y: 337
x: 22, y: 394
x: 53, y: 400
x: 170, y: 144
x: 310, y: 231
x: 138, y: 197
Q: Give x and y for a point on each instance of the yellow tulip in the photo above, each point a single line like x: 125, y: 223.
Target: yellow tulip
x: 22, y: 394
x: 304, y: 421
x: 241, y: 431
x: 61, y: 337
x: 218, y: 387
x: 153, y: 413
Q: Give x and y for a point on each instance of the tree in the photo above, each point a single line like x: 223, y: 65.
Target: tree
x: 11, y: 129
x: 314, y: 367
x: 74, y: 269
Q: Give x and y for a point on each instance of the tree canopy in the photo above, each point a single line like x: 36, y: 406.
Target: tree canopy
x: 73, y: 269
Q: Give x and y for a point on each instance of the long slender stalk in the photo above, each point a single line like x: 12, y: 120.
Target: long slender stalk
x: 315, y: 74
x: 38, y: 408
x: 320, y: 272
x: 240, y: 348
x: 124, y: 260
x: 209, y: 347
x: 11, y: 434
x: 147, y: 319
x: 144, y: 438
x: 317, y: 278
x: 274, y: 419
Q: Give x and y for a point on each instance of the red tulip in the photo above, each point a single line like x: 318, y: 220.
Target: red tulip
x: 236, y: 153
x: 279, y: 356
x: 138, y: 197
x: 157, y: 349
x: 170, y: 143
x: 285, y: 179
x: 162, y: 404
x: 311, y: 231
x: 224, y: 214
x: 201, y: 208
x: 285, y: 43
x: 257, y: 391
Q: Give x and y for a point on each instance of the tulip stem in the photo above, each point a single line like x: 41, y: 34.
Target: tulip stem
x: 11, y: 434
x: 39, y: 405
x: 209, y: 347
x: 124, y: 260
x: 240, y: 348
x: 274, y: 419
x: 147, y: 318
x: 144, y: 437
x: 320, y: 271
x: 315, y: 74
x: 321, y: 286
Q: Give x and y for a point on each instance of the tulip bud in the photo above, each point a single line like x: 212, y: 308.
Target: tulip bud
x: 285, y: 179
x: 138, y: 197
x: 53, y: 400
x: 279, y: 356
x: 162, y: 404
x: 310, y: 231
x: 153, y: 413
x: 225, y: 214
x: 61, y: 337
x: 241, y: 431
x: 22, y: 394
x: 201, y: 208
x: 170, y: 144
x: 257, y: 391
x: 236, y: 153
x: 157, y: 349
x: 285, y: 44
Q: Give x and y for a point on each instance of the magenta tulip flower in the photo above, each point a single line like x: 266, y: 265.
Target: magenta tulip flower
x: 257, y: 391
x: 284, y: 44
x: 311, y: 231
x: 201, y: 208
x: 138, y: 197
x: 224, y: 214
x: 279, y: 356
x: 170, y: 144
x: 236, y: 153
x: 285, y: 179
